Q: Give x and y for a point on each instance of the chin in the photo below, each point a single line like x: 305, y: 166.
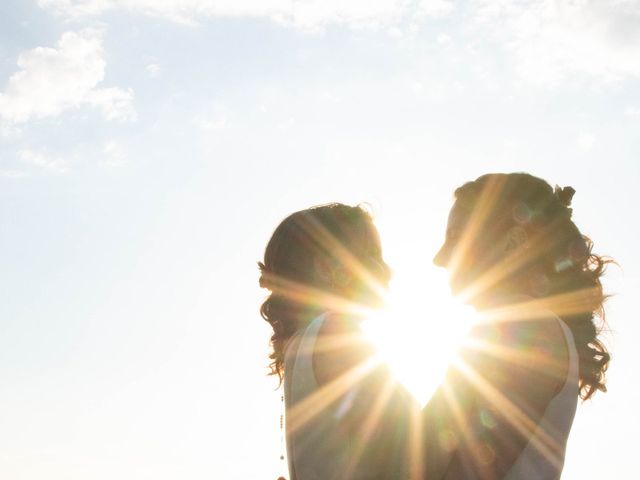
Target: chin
x: 457, y: 284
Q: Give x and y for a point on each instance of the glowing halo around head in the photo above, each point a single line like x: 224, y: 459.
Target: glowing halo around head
x: 418, y: 334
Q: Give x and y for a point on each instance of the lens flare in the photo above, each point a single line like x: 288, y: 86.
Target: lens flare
x: 418, y: 343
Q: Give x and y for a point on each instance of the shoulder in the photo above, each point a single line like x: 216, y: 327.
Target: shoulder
x: 540, y: 333
x: 515, y: 368
x: 339, y: 347
x: 528, y: 358
x: 336, y: 324
x: 541, y: 342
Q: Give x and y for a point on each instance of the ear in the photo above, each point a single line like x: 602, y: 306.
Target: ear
x: 323, y: 270
x: 332, y: 273
x: 341, y: 277
x: 516, y: 237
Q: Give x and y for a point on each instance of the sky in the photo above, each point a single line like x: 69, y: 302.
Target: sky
x: 148, y: 148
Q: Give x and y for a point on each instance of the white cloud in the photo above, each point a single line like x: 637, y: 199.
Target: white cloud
x: 52, y: 80
x: 632, y: 113
x: 8, y: 130
x: 42, y: 160
x: 153, y: 69
x: 586, y: 141
x: 548, y: 40
x: 13, y: 173
x: 435, y: 8
x: 115, y: 103
x: 114, y: 154
x: 306, y: 14
x: 554, y: 39
x: 77, y: 8
x: 210, y: 123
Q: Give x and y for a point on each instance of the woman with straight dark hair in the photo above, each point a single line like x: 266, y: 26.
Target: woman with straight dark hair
x: 515, y: 254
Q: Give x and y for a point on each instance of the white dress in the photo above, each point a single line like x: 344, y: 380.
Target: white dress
x: 313, y: 442
x: 543, y: 457
x: 319, y: 447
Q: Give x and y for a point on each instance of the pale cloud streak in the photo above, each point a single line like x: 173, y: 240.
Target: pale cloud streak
x: 113, y: 154
x: 547, y: 40
x: 586, y: 141
x: 435, y: 8
x: 53, y: 80
x: 210, y: 124
x: 42, y: 160
x: 550, y: 40
x: 305, y: 14
x: 632, y: 113
x: 153, y: 69
x: 13, y: 173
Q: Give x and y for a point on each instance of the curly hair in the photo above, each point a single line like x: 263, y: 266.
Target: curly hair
x: 561, y: 266
x: 339, y: 235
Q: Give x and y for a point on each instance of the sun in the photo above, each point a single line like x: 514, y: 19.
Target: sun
x: 419, y: 333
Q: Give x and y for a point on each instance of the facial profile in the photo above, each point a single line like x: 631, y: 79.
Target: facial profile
x: 511, y: 241
x: 325, y: 258
x: 505, y: 235
x: 468, y: 250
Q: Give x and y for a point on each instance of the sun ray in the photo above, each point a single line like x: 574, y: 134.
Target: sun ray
x: 537, y: 247
x: 307, y: 409
x: 322, y: 298
x: 403, y: 338
x: 416, y: 445
x: 543, y: 441
x: 447, y: 427
x: 330, y: 243
x: 311, y: 296
x: 515, y: 356
x: 312, y: 405
x: 562, y: 305
x: 336, y: 342
x: 369, y: 425
x: 482, y: 208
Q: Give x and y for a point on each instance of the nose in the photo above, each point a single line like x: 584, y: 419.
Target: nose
x: 385, y: 271
x: 441, y: 258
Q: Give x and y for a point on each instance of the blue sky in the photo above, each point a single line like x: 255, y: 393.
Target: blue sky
x: 148, y: 149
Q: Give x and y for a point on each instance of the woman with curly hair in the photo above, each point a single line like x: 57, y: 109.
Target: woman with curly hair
x: 325, y: 272
x: 515, y: 254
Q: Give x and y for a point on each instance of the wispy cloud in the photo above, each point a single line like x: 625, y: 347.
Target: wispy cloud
x: 210, y: 124
x: 307, y: 14
x: 435, y: 8
x: 42, y: 160
x: 113, y: 154
x: 153, y: 69
x: 53, y: 80
x: 13, y: 173
x: 547, y: 40
x: 632, y: 113
x: 551, y: 40
x: 586, y: 141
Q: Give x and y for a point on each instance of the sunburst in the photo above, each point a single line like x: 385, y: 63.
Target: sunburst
x: 417, y: 337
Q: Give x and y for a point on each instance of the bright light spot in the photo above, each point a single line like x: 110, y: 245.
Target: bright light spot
x: 419, y: 334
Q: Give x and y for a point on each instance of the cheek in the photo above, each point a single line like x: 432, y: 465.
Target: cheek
x: 466, y: 257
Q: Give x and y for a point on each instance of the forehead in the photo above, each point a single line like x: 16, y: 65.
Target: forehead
x: 370, y: 238
x: 360, y: 236
x: 458, y: 216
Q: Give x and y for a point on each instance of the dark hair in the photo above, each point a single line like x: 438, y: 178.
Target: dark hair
x: 559, y: 264
x: 339, y: 235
